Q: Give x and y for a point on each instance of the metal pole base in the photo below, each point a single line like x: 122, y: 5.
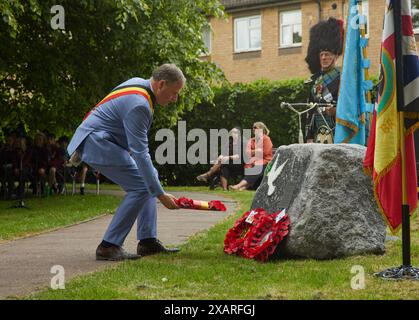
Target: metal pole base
x: 400, y: 273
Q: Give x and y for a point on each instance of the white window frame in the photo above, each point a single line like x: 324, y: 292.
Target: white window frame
x: 281, y: 25
x: 209, y: 49
x: 248, y: 18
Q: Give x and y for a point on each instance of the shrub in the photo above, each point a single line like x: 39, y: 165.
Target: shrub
x: 240, y: 105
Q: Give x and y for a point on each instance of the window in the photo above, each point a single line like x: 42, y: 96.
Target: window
x: 415, y: 15
x: 290, y: 32
x: 206, y: 38
x: 247, y: 34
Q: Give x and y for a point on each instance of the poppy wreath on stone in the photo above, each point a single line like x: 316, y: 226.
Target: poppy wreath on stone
x: 235, y: 237
x: 265, y: 236
x: 257, y: 234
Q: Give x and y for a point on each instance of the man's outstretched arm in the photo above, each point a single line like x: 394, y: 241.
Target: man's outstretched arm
x: 136, y: 124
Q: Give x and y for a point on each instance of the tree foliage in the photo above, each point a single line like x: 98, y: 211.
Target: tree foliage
x: 50, y: 78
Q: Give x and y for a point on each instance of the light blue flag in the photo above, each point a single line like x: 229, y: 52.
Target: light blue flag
x: 352, y: 108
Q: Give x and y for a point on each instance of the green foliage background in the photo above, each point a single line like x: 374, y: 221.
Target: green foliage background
x: 49, y: 78
x: 239, y: 105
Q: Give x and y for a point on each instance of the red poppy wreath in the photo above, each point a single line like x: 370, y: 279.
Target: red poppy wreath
x: 213, y: 205
x: 257, y: 234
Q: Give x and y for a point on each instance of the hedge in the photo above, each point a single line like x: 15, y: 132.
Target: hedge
x: 239, y: 105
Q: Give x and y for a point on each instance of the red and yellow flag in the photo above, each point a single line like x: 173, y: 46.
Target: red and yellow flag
x: 383, y: 157
x: 123, y: 92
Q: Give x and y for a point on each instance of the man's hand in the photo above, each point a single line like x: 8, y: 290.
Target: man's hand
x: 168, y: 201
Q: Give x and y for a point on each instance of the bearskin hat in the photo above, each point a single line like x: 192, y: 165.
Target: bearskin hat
x: 324, y: 36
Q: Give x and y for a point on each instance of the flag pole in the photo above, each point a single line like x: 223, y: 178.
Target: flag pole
x: 405, y: 205
x: 364, y: 54
x: 405, y: 271
x: 362, y: 29
x: 397, y: 14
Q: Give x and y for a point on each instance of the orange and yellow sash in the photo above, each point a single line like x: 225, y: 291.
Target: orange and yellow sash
x: 123, y: 92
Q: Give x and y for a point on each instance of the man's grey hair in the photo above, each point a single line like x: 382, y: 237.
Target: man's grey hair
x: 169, y: 72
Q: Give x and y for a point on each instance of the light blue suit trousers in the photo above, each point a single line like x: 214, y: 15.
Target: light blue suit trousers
x: 138, y: 203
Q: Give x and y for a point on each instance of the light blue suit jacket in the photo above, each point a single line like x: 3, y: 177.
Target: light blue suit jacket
x: 119, y: 130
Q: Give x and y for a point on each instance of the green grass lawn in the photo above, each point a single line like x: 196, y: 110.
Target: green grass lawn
x: 45, y: 214
x: 202, y: 271
x: 52, y: 212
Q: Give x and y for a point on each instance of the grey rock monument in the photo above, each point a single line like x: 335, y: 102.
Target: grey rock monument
x: 330, y: 201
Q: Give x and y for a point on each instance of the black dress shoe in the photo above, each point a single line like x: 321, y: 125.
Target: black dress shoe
x: 114, y: 253
x: 154, y: 246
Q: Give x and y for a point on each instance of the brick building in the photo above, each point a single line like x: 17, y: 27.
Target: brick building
x: 268, y: 38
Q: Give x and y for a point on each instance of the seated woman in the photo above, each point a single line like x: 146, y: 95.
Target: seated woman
x: 259, y: 151
x: 227, y: 165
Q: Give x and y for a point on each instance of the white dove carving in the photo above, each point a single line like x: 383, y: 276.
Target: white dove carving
x: 273, y: 175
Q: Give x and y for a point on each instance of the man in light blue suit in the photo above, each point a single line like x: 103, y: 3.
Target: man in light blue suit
x: 113, y: 139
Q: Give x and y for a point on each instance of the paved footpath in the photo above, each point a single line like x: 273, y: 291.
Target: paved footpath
x: 25, y: 264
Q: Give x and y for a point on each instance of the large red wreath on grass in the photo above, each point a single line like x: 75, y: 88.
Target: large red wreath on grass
x: 257, y: 234
x: 235, y: 237
x: 187, y: 203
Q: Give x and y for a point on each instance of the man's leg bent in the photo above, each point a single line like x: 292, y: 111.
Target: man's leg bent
x: 135, y: 201
x: 147, y: 220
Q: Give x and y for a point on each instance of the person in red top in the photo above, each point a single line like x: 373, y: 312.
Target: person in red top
x: 259, y: 151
